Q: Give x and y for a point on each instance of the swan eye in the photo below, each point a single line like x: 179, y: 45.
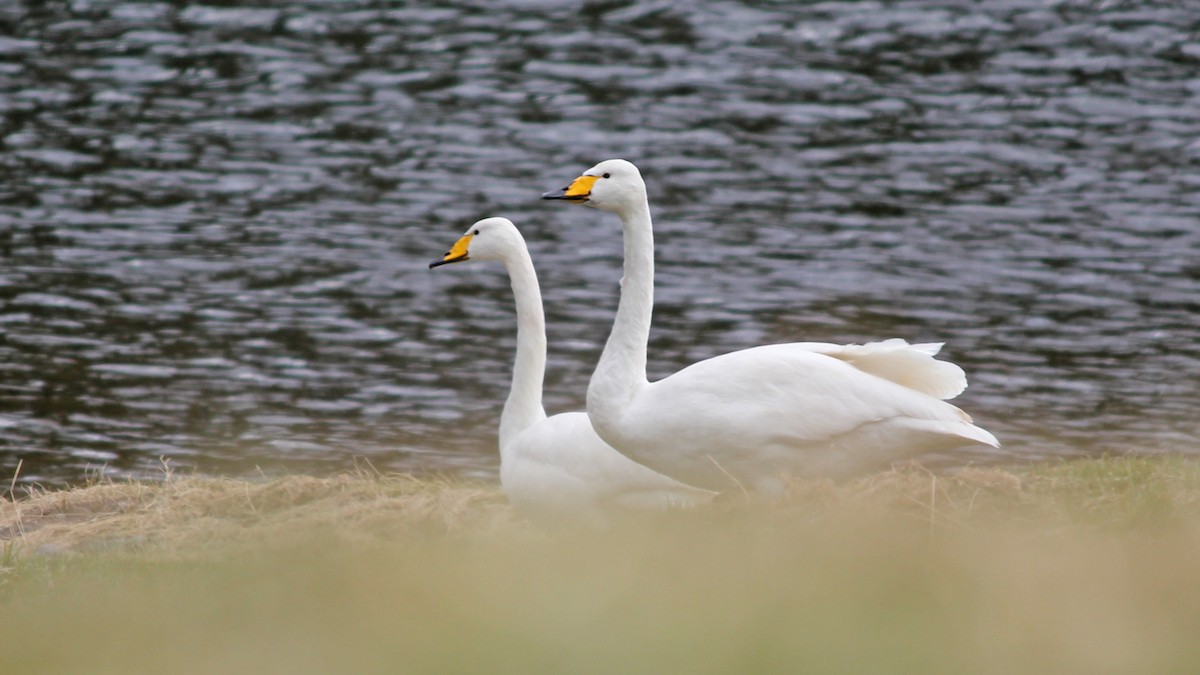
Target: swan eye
x: 608, y: 175
x: 476, y: 231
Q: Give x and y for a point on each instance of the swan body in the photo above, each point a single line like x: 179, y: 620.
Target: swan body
x: 752, y: 417
x: 555, y: 468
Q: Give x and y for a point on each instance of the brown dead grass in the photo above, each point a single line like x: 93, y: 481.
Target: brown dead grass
x: 1069, y: 567
x: 187, y: 517
x: 182, y: 517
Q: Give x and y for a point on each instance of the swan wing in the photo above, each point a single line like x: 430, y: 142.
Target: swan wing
x: 909, y: 365
x: 562, y: 464
x: 801, y: 407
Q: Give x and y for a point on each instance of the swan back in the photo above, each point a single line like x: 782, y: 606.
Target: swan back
x: 908, y: 365
x: 564, y: 470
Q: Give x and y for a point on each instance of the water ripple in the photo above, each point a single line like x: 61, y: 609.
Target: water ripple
x: 215, y: 220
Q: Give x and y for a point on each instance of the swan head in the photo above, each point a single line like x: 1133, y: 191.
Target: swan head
x: 612, y: 185
x: 487, y: 239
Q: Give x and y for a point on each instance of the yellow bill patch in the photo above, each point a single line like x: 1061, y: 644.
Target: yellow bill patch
x: 459, y: 249
x: 580, y: 187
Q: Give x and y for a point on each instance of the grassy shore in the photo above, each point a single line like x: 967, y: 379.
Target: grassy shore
x: 1075, y: 567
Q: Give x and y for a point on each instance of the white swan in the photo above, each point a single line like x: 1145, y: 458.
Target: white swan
x: 556, y: 467
x: 751, y: 416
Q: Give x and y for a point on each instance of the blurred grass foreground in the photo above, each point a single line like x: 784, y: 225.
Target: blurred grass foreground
x: 1089, y: 566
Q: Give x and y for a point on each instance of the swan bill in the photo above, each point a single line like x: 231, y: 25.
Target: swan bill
x: 578, y: 191
x: 457, y: 253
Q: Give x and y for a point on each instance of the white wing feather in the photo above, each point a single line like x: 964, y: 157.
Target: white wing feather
x: 560, y: 470
x: 803, y: 408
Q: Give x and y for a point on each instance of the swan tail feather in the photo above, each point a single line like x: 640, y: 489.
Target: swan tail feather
x: 965, y: 430
x: 909, y: 365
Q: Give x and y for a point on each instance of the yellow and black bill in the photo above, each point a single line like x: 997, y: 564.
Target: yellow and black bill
x: 457, y: 252
x: 578, y: 191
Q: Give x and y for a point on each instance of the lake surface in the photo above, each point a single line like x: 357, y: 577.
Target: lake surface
x: 215, y: 220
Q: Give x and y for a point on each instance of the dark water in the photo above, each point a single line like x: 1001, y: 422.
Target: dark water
x: 215, y: 220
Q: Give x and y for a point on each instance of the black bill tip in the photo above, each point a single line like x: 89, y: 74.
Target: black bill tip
x: 446, y: 261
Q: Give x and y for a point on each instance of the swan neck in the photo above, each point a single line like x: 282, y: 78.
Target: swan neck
x: 621, y: 372
x: 524, y: 405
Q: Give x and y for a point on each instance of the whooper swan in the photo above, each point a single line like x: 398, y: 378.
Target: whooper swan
x: 555, y: 468
x: 753, y: 416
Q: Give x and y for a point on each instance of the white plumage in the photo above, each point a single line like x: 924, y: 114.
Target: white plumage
x: 555, y: 468
x: 753, y: 416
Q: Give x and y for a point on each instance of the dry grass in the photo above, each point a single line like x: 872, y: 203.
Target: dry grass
x: 180, y: 518
x: 1074, y: 567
